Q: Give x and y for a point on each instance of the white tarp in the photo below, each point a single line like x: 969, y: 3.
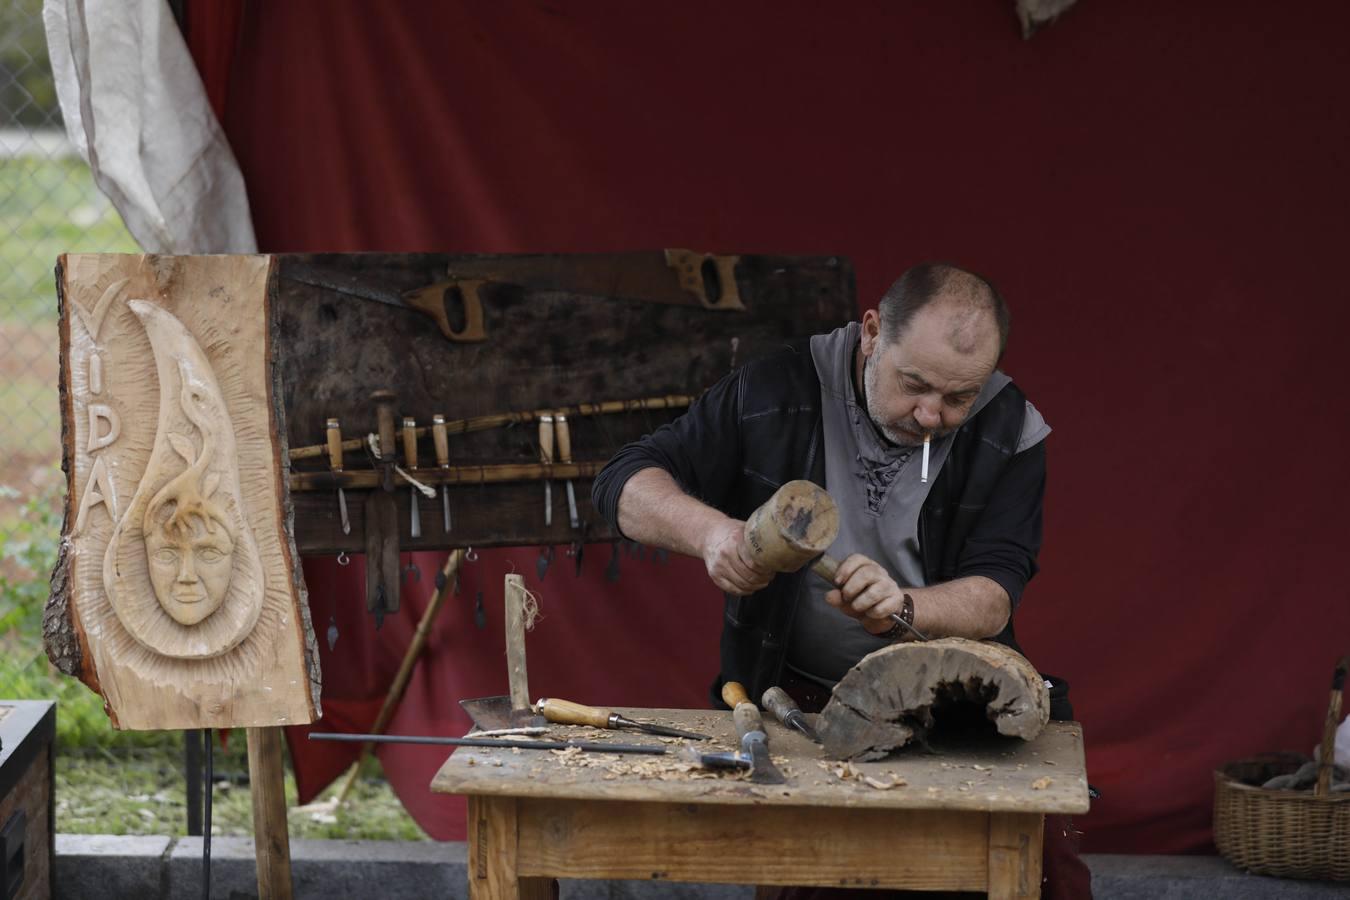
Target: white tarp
x: 135, y: 109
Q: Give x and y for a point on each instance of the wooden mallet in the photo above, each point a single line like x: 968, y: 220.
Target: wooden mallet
x: 794, y: 527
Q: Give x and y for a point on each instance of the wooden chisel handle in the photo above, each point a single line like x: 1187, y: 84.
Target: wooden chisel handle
x: 410, y: 442
x: 744, y: 713
x: 826, y: 567
x: 777, y: 701
x: 441, y: 440
x: 334, y: 430
x: 733, y: 694
x: 564, y: 435
x: 565, y: 712
x: 546, y: 439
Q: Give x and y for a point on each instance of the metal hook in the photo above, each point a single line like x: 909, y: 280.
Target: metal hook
x: 343, y: 559
x: 470, y: 555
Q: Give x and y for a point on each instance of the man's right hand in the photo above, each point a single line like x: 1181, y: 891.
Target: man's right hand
x: 729, y: 566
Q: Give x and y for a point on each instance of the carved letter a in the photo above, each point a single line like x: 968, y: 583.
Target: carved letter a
x: 98, y: 490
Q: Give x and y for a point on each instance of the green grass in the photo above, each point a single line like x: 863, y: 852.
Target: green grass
x: 49, y: 207
x: 142, y: 792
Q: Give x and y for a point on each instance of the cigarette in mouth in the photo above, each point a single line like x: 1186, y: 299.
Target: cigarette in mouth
x: 923, y: 472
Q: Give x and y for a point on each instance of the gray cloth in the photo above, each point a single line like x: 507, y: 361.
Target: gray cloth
x: 877, y: 487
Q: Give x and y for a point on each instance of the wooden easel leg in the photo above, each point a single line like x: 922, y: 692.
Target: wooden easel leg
x: 271, y: 839
x: 1015, y: 841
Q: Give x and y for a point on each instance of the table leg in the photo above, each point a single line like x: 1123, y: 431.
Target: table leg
x: 493, y: 834
x: 1015, y: 841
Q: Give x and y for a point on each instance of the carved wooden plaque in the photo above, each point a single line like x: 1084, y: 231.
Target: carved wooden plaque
x: 177, y: 595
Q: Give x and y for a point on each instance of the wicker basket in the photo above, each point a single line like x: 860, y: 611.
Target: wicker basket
x: 1293, y: 834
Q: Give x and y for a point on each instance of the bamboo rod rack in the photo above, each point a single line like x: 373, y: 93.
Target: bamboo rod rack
x: 498, y: 420
x: 484, y: 474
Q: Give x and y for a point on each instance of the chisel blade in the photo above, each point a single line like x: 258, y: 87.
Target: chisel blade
x: 572, y: 518
x: 661, y: 729
x: 762, y: 769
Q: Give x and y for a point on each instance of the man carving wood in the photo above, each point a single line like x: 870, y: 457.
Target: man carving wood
x: 862, y: 411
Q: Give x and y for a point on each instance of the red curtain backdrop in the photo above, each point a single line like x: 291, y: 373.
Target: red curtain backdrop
x: 1160, y: 190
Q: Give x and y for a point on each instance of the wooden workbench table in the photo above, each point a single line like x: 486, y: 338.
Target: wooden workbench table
x: 969, y: 817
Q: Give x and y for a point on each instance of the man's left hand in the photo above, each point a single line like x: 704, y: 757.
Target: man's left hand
x: 865, y: 591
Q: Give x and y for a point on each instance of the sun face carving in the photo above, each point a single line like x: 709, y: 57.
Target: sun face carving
x: 182, y: 570
x: 189, y: 540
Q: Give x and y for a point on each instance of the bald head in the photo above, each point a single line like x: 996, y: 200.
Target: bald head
x: 972, y: 310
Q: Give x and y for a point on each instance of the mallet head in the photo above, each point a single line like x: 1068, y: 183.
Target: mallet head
x: 793, y: 527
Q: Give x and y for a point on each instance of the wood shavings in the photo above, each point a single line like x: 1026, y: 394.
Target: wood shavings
x: 979, y: 768
x: 895, y: 782
x: 1041, y: 784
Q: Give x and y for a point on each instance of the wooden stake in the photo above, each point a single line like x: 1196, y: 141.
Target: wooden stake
x: 271, y: 839
x: 515, y: 642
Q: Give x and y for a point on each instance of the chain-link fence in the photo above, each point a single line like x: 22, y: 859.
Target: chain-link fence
x: 48, y: 205
x: 107, y: 781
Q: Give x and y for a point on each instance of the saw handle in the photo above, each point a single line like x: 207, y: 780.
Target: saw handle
x: 432, y: 301
x: 777, y: 701
x: 565, y: 712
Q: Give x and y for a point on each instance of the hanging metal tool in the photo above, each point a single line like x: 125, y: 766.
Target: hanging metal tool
x: 410, y: 460
x: 382, y: 564
x: 334, y: 430
x: 546, y: 456
x: 565, y: 457
x: 544, y: 561
x: 442, y: 442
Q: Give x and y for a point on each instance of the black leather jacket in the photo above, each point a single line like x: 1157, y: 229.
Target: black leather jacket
x: 761, y: 426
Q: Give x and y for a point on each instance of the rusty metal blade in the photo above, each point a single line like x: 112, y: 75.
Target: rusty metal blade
x: 762, y: 769
x: 492, y: 713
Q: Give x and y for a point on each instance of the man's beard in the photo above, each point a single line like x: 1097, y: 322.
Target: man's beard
x: 906, y: 433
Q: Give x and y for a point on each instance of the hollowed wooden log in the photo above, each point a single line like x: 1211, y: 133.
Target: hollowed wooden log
x: 890, y: 697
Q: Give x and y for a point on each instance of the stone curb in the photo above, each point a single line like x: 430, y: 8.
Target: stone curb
x: 155, y: 867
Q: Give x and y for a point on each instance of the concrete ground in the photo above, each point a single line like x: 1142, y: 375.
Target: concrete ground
x: 94, y: 867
